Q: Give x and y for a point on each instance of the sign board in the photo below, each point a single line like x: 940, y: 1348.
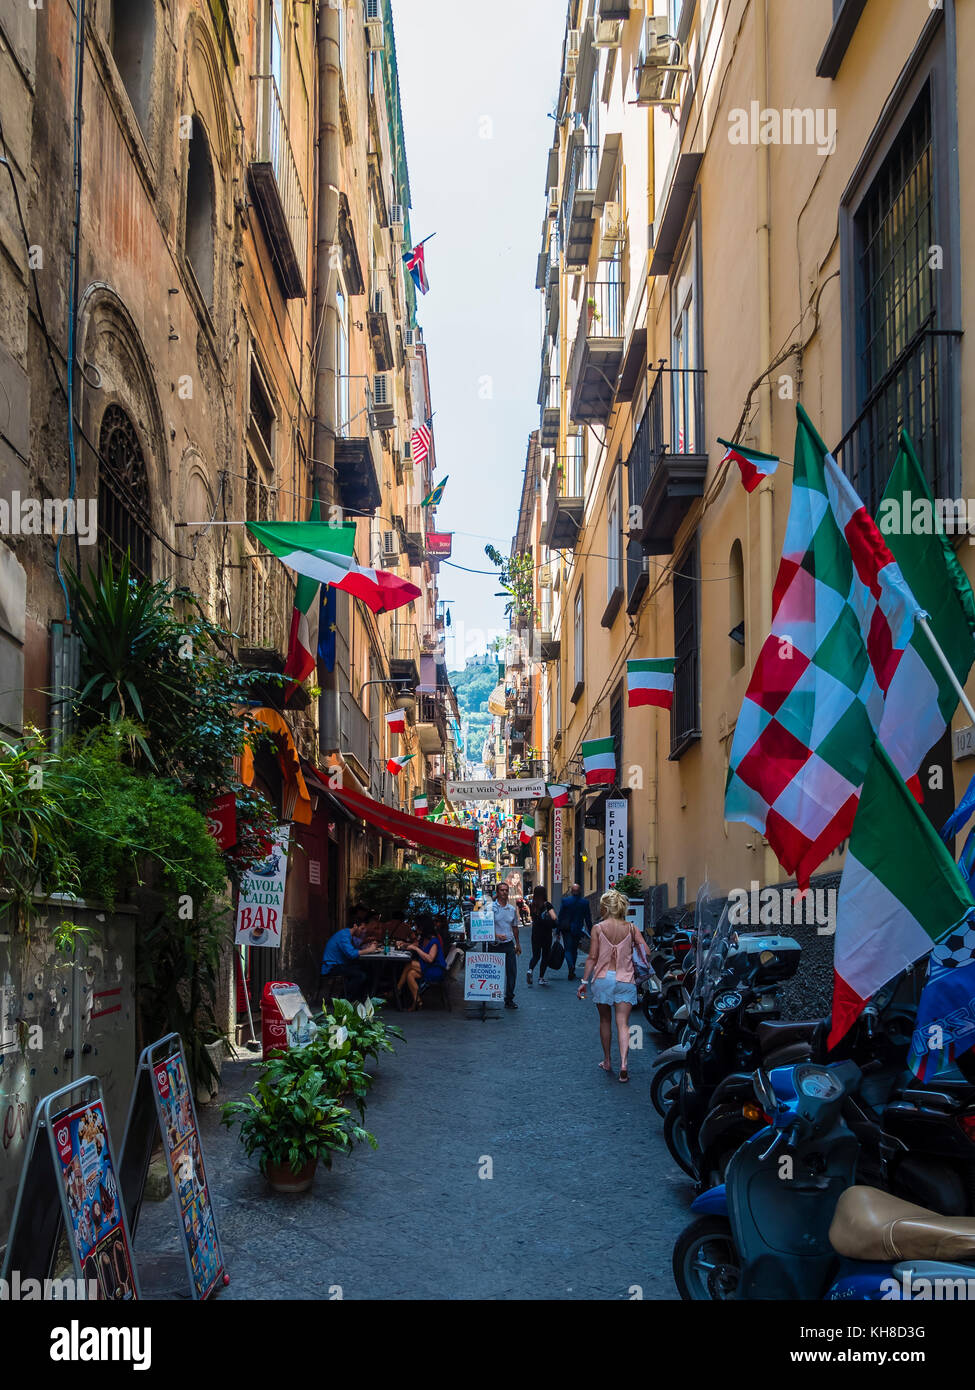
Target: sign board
x: 72, y: 1187
x: 484, y: 978
x: 162, y: 1104
x: 482, y: 926
x: 556, y: 847
x: 515, y: 788
x: 963, y: 742
x: 440, y: 543
x: 295, y: 1023
x: 260, y: 906
x: 615, y: 840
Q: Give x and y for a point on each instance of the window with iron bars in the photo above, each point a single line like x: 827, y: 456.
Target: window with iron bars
x: 685, y: 714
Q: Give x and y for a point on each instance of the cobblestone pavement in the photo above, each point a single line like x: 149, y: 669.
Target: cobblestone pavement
x: 584, y: 1203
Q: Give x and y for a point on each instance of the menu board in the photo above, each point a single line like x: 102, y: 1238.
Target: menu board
x: 482, y: 926
x: 181, y: 1141
x: 94, y: 1203
x: 484, y: 976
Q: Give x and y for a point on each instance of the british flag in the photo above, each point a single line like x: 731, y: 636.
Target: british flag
x: 416, y: 265
x: 420, y: 441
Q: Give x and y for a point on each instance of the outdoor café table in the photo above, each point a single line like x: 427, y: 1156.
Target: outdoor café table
x: 393, y: 962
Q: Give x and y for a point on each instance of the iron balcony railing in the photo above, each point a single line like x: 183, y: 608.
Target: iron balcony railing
x: 267, y: 601
x: 404, y: 643
x: 673, y: 423
x: 602, y: 309
x: 355, y: 732
x: 916, y: 393
x: 273, y: 147
x: 580, y: 178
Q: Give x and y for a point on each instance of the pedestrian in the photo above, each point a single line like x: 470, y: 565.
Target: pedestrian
x: 543, y: 920
x: 574, y: 919
x: 610, y: 973
x: 508, y: 942
x: 341, y: 954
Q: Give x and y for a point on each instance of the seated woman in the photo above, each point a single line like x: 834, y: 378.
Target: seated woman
x: 429, y: 964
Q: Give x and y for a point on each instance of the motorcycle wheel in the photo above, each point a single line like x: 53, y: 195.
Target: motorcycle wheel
x: 664, y: 1087
x: 707, y: 1267
x: 675, y: 1137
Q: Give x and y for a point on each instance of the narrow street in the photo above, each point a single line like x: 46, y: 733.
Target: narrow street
x: 584, y: 1202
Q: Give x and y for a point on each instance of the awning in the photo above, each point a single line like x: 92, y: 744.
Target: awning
x: 444, y: 840
x: 296, y: 800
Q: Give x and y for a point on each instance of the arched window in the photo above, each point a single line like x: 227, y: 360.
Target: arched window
x: 736, y: 608
x: 123, y: 494
x: 200, y: 211
x: 132, y: 39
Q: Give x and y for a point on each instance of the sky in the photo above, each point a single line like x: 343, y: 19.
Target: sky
x: 477, y: 84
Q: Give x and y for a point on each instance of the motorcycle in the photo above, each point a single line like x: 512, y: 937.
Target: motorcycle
x: 790, y: 1222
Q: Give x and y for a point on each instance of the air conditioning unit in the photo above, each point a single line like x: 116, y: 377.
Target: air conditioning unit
x: 610, y: 231
x: 397, y: 219
x: 573, y: 47
x: 375, y: 31
x: 390, y: 552
x: 545, y: 576
x: 609, y: 33
x: 411, y: 339
x: 378, y: 302
x: 657, y: 77
x: 553, y: 201
x: 383, y: 405
x: 658, y: 40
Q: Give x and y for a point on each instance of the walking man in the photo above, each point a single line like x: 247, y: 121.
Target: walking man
x: 507, y: 941
x: 574, y: 918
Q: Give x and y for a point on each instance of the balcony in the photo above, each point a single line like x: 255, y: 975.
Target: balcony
x: 276, y: 190
x: 550, y: 400
x: 414, y: 535
x: 550, y: 644
x: 355, y: 738
x: 613, y: 9
x: 380, y: 330
x: 597, y: 354
x: 552, y: 295
x: 431, y: 724
x: 668, y: 462
x: 520, y: 712
x: 637, y: 575
x: 578, y: 220
x: 563, y: 517
x: 357, y: 464
x: 267, y: 600
x: 404, y: 652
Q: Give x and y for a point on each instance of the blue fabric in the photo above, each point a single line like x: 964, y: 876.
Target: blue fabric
x: 434, y: 969
x: 339, y: 950
x: 960, y: 814
x: 574, y: 915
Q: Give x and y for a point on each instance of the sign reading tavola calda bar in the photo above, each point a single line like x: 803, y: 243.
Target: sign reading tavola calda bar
x: 525, y: 789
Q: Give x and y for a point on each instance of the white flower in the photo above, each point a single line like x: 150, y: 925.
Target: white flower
x: 337, y: 1037
x: 366, y: 1010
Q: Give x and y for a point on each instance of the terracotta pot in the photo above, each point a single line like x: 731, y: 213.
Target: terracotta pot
x: 281, y: 1178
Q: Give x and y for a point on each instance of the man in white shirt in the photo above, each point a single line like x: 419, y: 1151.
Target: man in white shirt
x: 507, y: 941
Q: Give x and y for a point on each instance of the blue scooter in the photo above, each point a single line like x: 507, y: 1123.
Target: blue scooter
x: 789, y: 1224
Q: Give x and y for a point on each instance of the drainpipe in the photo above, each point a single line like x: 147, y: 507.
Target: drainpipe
x: 763, y: 238
x: 325, y: 311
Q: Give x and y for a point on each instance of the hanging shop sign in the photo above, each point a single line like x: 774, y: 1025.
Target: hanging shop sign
x: 222, y: 820
x: 69, y: 1184
x: 513, y: 788
x: 162, y: 1106
x: 556, y: 847
x: 260, y: 906
x: 615, y: 840
x: 482, y: 926
x: 440, y: 543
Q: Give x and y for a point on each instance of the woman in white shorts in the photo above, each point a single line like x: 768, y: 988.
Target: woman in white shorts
x: 610, y: 972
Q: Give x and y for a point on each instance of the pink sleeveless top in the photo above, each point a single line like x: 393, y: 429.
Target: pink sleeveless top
x: 613, y: 954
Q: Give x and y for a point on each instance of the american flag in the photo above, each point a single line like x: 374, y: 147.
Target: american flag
x: 420, y: 441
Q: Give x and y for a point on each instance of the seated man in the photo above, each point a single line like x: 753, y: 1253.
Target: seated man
x: 341, y: 954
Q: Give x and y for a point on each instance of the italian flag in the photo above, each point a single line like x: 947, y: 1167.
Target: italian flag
x: 303, y: 641
x: 650, y: 683
x: 439, y: 811
x: 325, y: 554
x: 559, y: 795
x: 599, y: 760
x: 527, y: 829
x: 921, y: 699
x: 396, y: 721
x: 754, y: 465
x: 900, y: 894
x: 420, y: 807
x: 395, y: 765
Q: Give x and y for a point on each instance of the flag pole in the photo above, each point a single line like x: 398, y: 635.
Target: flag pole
x: 923, y: 624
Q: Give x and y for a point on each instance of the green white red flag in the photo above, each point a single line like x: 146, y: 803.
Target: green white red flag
x: 559, y: 794
x: 527, y: 833
x: 754, y: 466
x: 650, y: 682
x: 842, y: 616
x: 599, y: 760
x: 325, y: 554
x: 901, y: 893
x: 303, y: 639
x: 420, y: 807
x: 396, y: 764
x: 396, y: 721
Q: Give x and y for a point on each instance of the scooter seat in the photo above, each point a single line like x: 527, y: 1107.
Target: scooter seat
x: 872, y: 1225
x: 778, y: 1033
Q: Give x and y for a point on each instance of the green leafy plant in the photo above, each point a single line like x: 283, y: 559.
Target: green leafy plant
x: 386, y: 890
x: 368, y: 1031
x: 343, y: 1067
x: 291, y: 1118
x: 630, y: 884
x: 35, y: 850
x: 517, y: 581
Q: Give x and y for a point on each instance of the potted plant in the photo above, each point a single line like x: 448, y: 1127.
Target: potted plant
x: 342, y: 1065
x: 370, y: 1034
x: 631, y: 885
x: 292, y: 1122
